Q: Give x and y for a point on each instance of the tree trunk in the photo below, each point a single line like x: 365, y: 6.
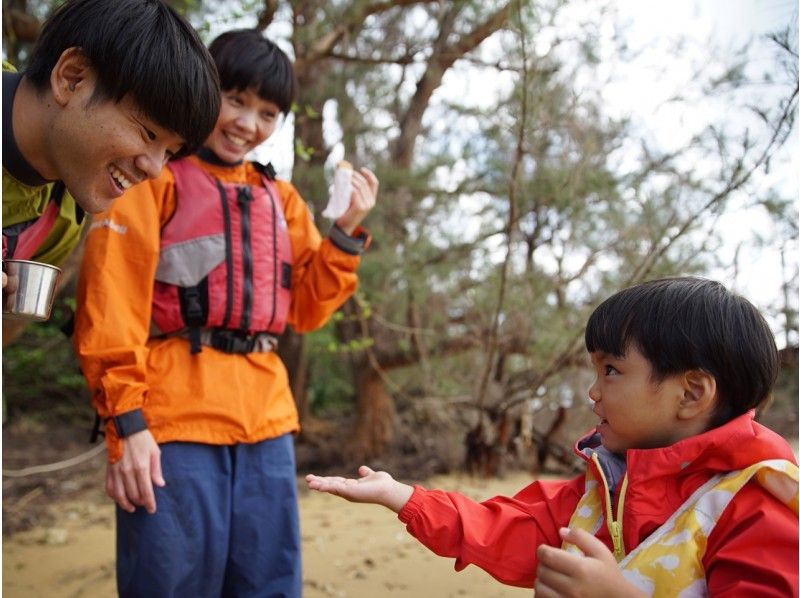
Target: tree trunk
x: 375, y: 424
x: 376, y: 419
x: 291, y: 350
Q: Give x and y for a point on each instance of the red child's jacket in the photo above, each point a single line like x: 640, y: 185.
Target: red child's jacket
x: 752, y: 550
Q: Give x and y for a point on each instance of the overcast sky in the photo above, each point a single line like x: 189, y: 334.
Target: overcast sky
x: 639, y: 89
x: 714, y: 25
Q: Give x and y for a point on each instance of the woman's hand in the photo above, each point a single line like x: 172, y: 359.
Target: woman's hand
x: 362, y: 200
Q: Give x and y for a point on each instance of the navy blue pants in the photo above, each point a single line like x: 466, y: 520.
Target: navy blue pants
x: 226, y: 524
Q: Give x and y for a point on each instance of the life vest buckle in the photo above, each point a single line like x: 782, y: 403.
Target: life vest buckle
x: 236, y: 341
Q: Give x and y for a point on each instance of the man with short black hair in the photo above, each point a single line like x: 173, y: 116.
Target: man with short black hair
x: 115, y: 88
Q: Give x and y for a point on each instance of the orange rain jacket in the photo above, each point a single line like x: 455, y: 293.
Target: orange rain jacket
x: 210, y: 397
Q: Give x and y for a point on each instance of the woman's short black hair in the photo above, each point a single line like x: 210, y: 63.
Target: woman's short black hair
x: 688, y: 323
x: 138, y: 47
x: 246, y: 59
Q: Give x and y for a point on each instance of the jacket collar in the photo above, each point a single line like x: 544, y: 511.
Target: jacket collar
x: 13, y: 160
x: 209, y: 157
x: 732, y: 446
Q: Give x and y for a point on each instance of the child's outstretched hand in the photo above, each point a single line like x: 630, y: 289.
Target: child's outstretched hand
x: 593, y: 573
x: 376, y: 487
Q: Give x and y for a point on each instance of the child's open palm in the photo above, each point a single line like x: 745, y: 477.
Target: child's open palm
x: 376, y: 487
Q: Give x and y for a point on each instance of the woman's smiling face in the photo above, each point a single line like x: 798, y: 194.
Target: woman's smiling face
x: 245, y: 121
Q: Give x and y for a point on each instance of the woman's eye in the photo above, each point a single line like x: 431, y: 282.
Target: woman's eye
x: 611, y: 370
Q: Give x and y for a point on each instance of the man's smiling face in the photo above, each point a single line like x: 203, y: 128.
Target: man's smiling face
x: 102, y: 147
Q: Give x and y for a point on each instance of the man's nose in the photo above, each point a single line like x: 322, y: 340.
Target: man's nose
x: 152, y: 162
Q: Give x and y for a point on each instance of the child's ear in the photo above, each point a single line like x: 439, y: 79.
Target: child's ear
x: 72, y: 70
x: 699, y: 394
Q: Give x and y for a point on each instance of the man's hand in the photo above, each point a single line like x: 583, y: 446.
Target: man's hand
x: 362, y: 200
x: 10, y: 283
x: 568, y: 575
x: 376, y: 487
x: 129, y: 482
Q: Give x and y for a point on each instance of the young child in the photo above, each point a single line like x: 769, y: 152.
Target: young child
x: 684, y: 493
x: 113, y: 89
x: 186, y: 283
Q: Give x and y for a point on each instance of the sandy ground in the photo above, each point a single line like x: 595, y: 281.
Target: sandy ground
x: 355, y: 551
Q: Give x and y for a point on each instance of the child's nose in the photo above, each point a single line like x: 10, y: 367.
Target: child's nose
x: 594, y: 393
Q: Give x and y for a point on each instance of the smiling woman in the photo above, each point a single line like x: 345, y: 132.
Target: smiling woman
x: 245, y: 122
x: 226, y: 255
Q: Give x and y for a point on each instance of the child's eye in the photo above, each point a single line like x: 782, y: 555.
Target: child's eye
x: 235, y: 100
x: 611, y: 370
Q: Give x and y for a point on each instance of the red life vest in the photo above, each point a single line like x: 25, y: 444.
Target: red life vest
x: 226, y: 258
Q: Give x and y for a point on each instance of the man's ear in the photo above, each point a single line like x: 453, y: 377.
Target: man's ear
x: 699, y: 394
x: 72, y: 71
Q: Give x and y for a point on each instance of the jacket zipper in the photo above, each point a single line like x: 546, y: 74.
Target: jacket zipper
x: 244, y: 196
x: 614, y: 525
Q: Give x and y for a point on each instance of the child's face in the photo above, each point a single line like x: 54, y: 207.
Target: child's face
x: 634, y: 410
x: 245, y: 121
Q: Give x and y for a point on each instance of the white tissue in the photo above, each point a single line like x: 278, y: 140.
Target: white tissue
x: 340, y: 192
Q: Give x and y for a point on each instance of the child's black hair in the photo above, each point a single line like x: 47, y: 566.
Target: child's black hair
x: 686, y: 323
x: 138, y: 47
x: 247, y: 60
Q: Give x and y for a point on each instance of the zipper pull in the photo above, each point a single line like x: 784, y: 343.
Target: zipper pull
x: 244, y: 195
x: 616, y: 538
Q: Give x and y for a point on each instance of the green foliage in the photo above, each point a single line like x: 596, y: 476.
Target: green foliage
x: 41, y: 374
x: 521, y: 179
x: 302, y: 151
x: 330, y: 386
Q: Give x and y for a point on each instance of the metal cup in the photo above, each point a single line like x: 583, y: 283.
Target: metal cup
x: 30, y: 290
